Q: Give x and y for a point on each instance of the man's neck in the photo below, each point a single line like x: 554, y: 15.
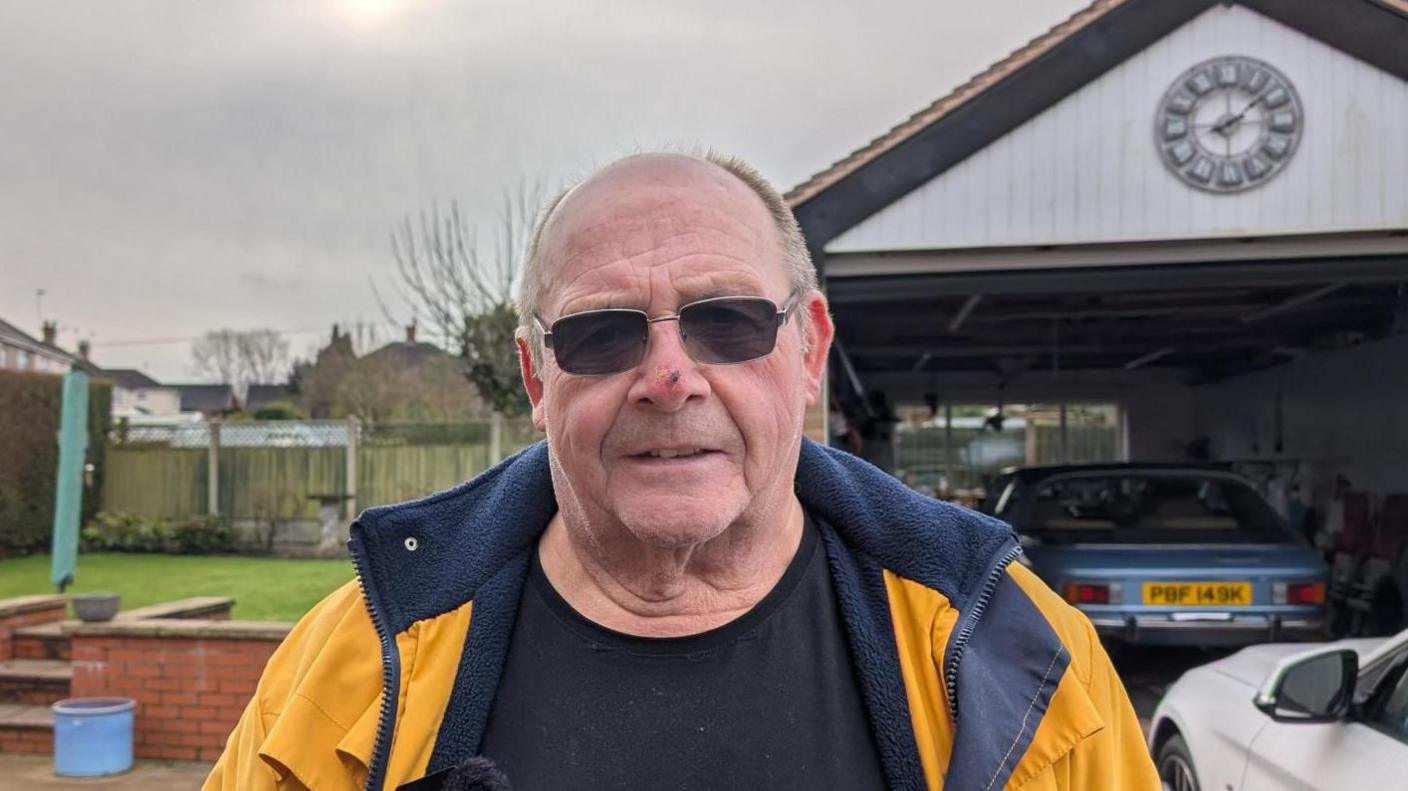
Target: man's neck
x: 651, y: 591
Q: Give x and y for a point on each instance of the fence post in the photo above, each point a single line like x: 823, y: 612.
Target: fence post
x: 212, y: 469
x: 349, y: 505
x: 496, y: 438
x: 948, y: 450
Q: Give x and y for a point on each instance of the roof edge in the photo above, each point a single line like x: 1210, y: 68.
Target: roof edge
x: 959, y: 96
x: 959, y: 124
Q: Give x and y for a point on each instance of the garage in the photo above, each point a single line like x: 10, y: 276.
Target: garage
x: 1171, y: 232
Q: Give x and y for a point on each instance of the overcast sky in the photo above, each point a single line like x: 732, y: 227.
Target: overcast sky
x: 169, y: 167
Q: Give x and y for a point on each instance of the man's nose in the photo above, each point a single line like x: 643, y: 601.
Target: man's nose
x: 667, y: 378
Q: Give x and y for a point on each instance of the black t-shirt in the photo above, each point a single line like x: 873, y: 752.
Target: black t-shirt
x: 767, y: 701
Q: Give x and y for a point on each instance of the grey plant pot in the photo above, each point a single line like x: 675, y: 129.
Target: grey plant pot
x: 96, y: 607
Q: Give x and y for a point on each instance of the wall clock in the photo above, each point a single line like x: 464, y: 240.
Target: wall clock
x: 1228, y: 124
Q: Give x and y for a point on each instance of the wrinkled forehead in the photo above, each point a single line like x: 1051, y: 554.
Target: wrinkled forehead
x: 710, y: 231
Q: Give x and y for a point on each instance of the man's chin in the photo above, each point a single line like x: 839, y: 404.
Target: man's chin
x: 674, y: 522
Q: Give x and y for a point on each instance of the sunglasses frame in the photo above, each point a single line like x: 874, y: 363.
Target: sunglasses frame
x: 782, y: 313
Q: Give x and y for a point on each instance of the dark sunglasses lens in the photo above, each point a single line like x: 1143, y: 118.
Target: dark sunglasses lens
x: 601, y: 342
x: 732, y: 330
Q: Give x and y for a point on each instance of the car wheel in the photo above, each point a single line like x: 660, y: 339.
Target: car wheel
x: 1176, y: 766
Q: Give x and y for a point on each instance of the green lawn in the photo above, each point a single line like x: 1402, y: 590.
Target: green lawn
x: 274, y: 589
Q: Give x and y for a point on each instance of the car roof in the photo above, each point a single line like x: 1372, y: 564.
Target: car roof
x: 1048, y: 470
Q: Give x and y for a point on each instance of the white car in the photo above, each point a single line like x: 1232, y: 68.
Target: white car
x: 1288, y: 716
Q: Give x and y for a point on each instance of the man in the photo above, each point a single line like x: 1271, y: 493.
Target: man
x: 676, y: 590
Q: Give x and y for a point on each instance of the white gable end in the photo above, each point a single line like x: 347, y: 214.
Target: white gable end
x: 1088, y: 170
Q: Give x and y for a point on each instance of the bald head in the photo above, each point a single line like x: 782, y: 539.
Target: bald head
x: 633, y: 203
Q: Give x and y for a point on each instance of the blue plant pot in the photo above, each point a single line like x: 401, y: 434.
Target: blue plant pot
x: 93, y: 736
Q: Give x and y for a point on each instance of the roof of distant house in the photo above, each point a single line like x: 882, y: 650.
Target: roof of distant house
x: 206, y: 398
x: 127, y: 378
x: 407, y: 354
x: 18, y: 337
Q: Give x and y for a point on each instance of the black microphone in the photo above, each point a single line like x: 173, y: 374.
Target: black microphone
x: 476, y: 774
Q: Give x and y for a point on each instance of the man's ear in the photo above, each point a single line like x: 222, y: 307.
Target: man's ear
x: 819, y: 330
x: 531, y: 383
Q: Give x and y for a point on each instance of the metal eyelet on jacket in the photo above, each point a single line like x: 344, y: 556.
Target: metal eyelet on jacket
x: 412, y: 544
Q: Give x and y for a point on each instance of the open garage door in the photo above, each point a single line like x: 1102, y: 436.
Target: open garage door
x: 1103, y: 331
x: 1277, y: 363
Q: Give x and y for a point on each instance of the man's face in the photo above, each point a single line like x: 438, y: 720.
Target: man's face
x: 656, y: 233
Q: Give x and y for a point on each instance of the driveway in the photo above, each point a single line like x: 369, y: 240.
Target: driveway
x: 24, y: 772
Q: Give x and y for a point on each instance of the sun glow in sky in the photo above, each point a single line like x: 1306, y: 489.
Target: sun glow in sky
x: 368, y: 14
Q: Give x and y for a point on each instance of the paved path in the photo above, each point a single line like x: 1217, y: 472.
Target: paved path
x: 23, y: 772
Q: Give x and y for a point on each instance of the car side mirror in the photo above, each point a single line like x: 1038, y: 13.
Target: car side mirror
x: 1314, y: 687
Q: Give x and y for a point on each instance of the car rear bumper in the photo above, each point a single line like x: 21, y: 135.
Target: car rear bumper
x: 1208, y: 629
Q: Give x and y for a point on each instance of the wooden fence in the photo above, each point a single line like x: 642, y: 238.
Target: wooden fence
x: 285, y: 483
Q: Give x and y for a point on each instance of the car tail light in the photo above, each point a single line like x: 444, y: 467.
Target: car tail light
x: 1298, y: 593
x: 1087, y: 593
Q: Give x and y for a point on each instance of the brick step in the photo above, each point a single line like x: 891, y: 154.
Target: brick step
x: 35, y: 682
x: 26, y: 729
x: 46, y: 641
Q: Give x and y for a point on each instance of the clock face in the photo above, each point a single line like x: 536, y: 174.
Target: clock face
x: 1228, y: 124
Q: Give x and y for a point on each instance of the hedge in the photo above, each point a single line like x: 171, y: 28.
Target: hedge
x: 30, y: 405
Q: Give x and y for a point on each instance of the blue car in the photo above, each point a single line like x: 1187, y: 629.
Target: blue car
x: 1166, y: 555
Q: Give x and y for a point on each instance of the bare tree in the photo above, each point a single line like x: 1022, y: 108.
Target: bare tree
x: 264, y: 354
x: 216, y: 356
x: 241, y: 359
x: 462, y: 290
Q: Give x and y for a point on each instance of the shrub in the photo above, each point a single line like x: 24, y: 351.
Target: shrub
x: 279, y: 410
x: 126, y: 532
x: 204, y: 535
x: 29, y: 421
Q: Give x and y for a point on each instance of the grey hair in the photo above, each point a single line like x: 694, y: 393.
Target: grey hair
x: 801, y: 273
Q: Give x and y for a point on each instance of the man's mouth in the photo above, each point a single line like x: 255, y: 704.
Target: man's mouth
x: 672, y: 453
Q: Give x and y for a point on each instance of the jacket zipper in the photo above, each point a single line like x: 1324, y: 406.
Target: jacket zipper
x: 970, y: 622
x: 390, y: 669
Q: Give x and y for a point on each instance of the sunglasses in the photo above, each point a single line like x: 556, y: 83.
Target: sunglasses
x: 719, y: 330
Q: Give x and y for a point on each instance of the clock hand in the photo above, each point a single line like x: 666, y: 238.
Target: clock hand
x: 1234, y: 119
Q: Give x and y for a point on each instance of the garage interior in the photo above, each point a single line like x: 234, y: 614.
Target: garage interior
x: 1289, y: 370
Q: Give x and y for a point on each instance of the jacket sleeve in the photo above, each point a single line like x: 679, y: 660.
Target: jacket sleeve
x: 294, y: 669
x: 1117, y: 757
x: 240, y: 768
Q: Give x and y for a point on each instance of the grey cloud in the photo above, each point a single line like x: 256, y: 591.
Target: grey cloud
x: 164, y: 157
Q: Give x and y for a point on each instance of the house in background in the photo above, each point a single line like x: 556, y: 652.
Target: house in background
x: 134, y: 394
x: 19, y: 351
x: 207, y: 400
x: 410, y: 381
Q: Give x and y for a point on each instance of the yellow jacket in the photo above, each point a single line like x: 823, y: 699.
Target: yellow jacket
x: 974, y: 674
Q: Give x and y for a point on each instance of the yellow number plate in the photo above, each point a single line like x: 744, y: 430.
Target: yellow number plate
x: 1198, y: 594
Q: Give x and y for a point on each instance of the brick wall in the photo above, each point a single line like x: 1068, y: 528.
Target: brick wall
x: 191, y: 679
x: 26, y: 611
x: 28, y: 741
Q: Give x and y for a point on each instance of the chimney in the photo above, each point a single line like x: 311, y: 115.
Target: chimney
x: 83, y: 348
x: 411, y: 333
x: 50, y: 329
x: 334, y: 332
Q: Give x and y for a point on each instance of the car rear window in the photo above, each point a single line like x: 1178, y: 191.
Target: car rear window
x: 1149, y: 508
